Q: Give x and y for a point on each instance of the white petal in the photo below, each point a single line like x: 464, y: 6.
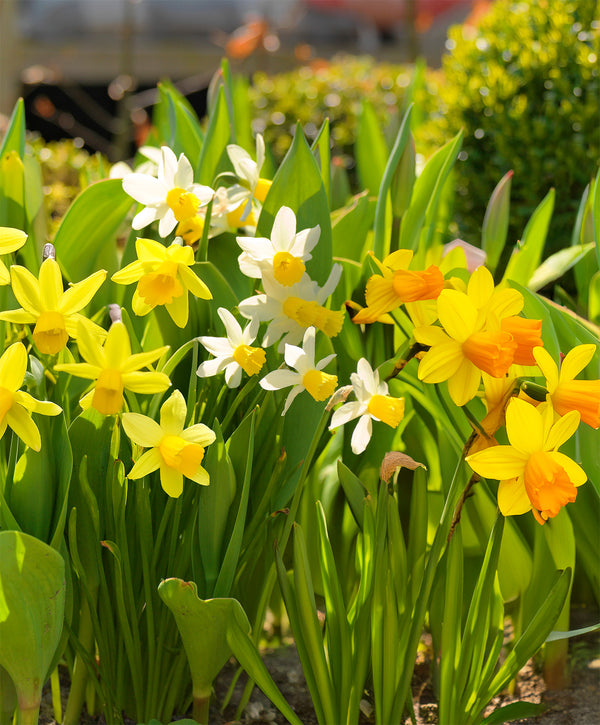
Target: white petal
x: 362, y: 434
x: 348, y: 412
x: 260, y: 151
x: 232, y: 326
x: 259, y: 248
x: 212, y: 367
x: 168, y: 167
x: 143, y: 218
x: 167, y: 223
x: 293, y: 355
x: 305, y: 242
x: 331, y: 283
x: 294, y: 392
x: 279, y: 379
x: 284, y: 229
x: 325, y: 361
x: 216, y: 345
x: 233, y: 375
x: 143, y: 188
x: 184, y: 175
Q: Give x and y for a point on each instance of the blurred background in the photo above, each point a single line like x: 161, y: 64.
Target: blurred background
x: 88, y: 69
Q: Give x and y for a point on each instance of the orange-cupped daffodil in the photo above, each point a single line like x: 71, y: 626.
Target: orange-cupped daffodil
x: 16, y: 405
x: 533, y: 474
x: 174, y: 450
x: 54, y: 311
x: 164, y: 278
x: 114, y: 369
x: 567, y: 393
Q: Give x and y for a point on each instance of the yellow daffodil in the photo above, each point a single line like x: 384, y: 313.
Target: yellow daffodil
x: 54, y: 312
x: 17, y: 405
x: 175, y: 451
x: 533, y: 474
x: 397, y: 285
x: 10, y: 240
x: 164, y: 278
x: 114, y: 369
x: 567, y: 393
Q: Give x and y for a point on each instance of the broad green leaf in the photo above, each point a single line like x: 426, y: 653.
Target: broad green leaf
x: 594, y: 299
x: 186, y: 135
x: 557, y: 264
x: 298, y: 185
x: 554, y: 636
x: 370, y: 149
x: 213, y: 158
x: 514, y: 711
x: 596, y: 215
x: 528, y: 253
x: 495, y: 222
x: 12, y: 192
x: 404, y: 179
x: 14, y: 138
x: 427, y: 191
x: 354, y: 491
x: 32, y: 600
x: 322, y: 153
x: 86, y: 238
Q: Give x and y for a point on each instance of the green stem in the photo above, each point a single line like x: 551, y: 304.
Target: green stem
x: 80, y: 672
x: 200, y: 708
x: 28, y: 715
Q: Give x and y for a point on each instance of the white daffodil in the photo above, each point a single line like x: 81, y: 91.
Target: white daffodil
x: 232, y: 353
x: 372, y: 403
x: 308, y: 375
x: 170, y: 198
x: 290, y: 310
x: 148, y: 167
x: 284, y: 253
x: 252, y: 186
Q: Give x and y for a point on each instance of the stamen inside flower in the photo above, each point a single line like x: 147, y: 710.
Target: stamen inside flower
x: 492, y: 352
x: 527, y: 334
x: 181, y: 455
x: 6, y: 401
x: 287, y: 268
x: 309, y: 313
x: 250, y: 359
x: 50, y: 335
x: 547, y: 484
x: 160, y: 287
x: 412, y: 286
x: 581, y: 395
x: 108, y: 394
x: 183, y: 203
x: 262, y: 189
x: 387, y: 409
x: 320, y: 385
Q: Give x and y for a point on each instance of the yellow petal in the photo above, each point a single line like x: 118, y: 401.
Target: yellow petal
x: 195, y: 285
x: 139, y: 305
x: 147, y: 463
x: 480, y: 287
x: 150, y: 251
x: 13, y: 366
x: 139, y: 382
x: 142, y: 430
x: 4, y: 274
x: 200, y: 434
x: 51, y: 284
x: 441, y: 362
x: 512, y: 497
x: 79, y: 370
x: 143, y: 359
x: 26, y: 289
x: 131, y: 273
x: 179, y: 310
x: 11, y: 239
x: 505, y: 303
x: 562, y: 430
x: 18, y: 317
x: 575, y: 360
x: 201, y: 476
x: 171, y: 481
x: 430, y: 335
x: 89, y: 346
x: 548, y: 367
x: 463, y: 385
x: 180, y: 254
x: 79, y: 295
x: 576, y: 474
x: 457, y: 314
x: 44, y: 407
x: 380, y: 295
x: 20, y: 421
x: 173, y: 413
x: 499, y: 462
x: 400, y: 259
x: 117, y: 348
x: 524, y: 427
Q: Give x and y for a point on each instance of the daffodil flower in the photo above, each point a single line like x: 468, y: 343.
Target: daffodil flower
x: 175, y: 451
x: 54, y: 312
x: 16, y: 405
x: 283, y: 254
x: 464, y: 348
x: 290, y: 310
x: 308, y: 376
x: 170, y: 198
x: 565, y: 392
x: 533, y: 474
x: 373, y: 402
x: 10, y: 240
x: 114, y: 369
x: 233, y: 353
x: 252, y: 187
x: 397, y: 285
x: 164, y: 278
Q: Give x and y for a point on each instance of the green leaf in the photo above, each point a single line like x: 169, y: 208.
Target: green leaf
x: 322, y: 153
x: 553, y: 636
x: 557, y: 264
x: 596, y: 215
x: 354, y: 491
x: 371, y: 150
x: 14, y: 138
x: 298, y: 185
x: 514, y: 711
x: 495, y: 222
x: 213, y: 158
x: 528, y: 253
x: 86, y: 238
x: 186, y: 135
x: 32, y: 600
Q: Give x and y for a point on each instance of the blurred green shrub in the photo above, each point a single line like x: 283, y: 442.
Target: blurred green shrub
x: 524, y: 85
x: 333, y: 90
